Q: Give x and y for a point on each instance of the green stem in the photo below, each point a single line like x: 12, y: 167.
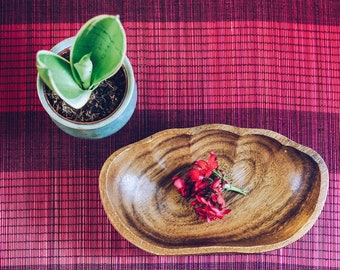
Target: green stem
x: 229, y: 187
x: 219, y: 174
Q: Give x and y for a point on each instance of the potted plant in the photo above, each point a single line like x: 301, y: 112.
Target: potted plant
x: 86, y: 83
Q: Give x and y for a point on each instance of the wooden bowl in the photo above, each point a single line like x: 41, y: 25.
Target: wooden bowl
x: 287, y: 185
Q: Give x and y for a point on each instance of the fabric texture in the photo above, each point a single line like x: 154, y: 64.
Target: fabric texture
x: 255, y: 64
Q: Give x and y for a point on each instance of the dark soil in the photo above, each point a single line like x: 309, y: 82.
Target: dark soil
x: 104, y: 100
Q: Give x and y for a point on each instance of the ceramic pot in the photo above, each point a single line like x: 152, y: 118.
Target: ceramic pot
x: 98, y: 129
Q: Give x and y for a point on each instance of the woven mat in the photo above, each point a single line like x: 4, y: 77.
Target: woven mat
x: 262, y: 64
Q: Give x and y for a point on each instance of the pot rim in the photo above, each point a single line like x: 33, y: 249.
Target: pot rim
x: 130, y: 88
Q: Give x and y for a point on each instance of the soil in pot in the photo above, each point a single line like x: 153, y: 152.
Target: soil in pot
x: 104, y: 100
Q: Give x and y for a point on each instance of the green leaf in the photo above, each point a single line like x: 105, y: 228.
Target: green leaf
x: 104, y: 38
x: 84, y: 69
x: 56, y: 73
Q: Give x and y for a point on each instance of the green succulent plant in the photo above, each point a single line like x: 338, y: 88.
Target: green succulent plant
x: 97, y: 54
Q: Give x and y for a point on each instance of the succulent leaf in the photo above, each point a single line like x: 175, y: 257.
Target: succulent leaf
x: 104, y: 38
x: 56, y: 73
x: 84, y: 69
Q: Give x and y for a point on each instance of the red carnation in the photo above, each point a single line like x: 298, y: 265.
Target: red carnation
x: 205, y: 185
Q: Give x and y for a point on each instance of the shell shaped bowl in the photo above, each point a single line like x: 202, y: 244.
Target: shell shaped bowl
x: 287, y: 185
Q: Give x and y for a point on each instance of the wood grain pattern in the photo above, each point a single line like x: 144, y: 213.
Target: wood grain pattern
x: 287, y: 186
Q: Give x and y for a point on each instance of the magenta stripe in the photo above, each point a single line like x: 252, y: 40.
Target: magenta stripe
x: 319, y: 12
x: 245, y: 64
x: 23, y: 134
x: 46, y: 213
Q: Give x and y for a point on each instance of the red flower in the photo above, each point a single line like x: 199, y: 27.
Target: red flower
x: 198, y: 180
x: 209, y: 212
x: 218, y: 199
x: 216, y: 185
x: 205, y: 184
x: 206, y: 210
x: 206, y: 168
x: 201, y: 200
x: 217, y: 195
x: 181, y: 186
x: 196, y: 175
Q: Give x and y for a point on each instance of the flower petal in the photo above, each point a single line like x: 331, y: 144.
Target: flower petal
x: 180, y: 184
x: 212, y: 162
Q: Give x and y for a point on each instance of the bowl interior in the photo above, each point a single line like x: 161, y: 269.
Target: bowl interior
x: 286, y: 188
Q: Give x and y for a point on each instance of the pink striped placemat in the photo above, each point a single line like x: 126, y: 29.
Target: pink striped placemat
x: 262, y: 64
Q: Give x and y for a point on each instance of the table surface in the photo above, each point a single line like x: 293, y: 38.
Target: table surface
x: 258, y: 64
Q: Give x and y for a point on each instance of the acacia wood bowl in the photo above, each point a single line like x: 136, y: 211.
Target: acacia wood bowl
x: 287, y: 185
